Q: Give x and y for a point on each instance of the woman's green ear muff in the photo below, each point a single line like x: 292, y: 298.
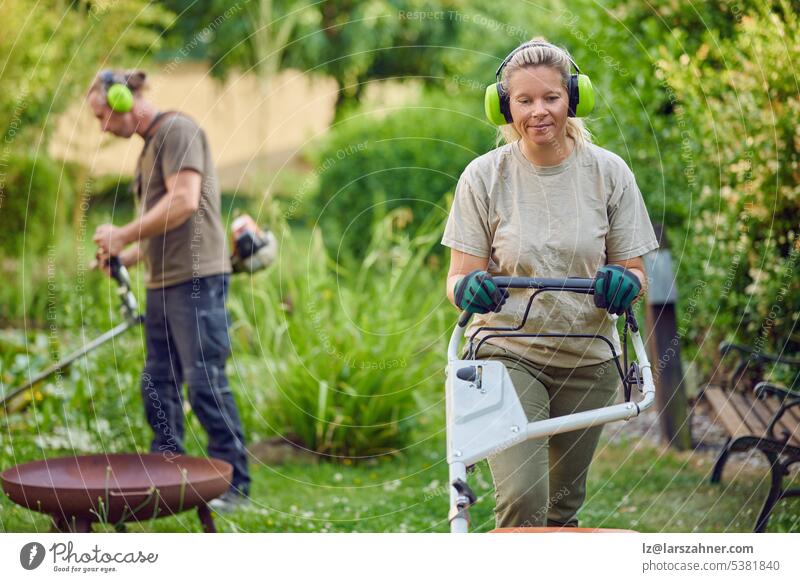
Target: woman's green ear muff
x: 497, y: 105
x: 581, y: 95
x: 118, y: 95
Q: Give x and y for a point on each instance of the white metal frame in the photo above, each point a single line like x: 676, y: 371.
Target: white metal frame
x: 484, y: 416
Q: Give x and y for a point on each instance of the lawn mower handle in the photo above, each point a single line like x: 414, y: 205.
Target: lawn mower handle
x: 574, y: 284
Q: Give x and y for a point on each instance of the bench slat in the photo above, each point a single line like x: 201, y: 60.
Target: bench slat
x: 756, y: 416
x: 750, y: 415
x: 744, y: 416
x: 727, y: 413
x: 794, y: 411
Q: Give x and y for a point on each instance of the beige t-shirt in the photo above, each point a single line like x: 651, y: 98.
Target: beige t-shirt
x: 556, y: 221
x: 197, y: 248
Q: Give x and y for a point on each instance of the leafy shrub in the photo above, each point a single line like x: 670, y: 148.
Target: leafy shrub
x: 410, y: 159
x: 744, y: 258
x: 347, y: 362
x: 34, y: 204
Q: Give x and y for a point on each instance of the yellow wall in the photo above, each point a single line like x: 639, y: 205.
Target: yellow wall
x: 251, y: 137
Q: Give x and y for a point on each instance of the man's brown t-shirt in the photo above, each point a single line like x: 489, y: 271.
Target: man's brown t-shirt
x: 197, y: 248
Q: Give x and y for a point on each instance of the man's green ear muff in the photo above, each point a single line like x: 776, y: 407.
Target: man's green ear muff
x: 120, y: 98
x: 497, y: 105
x: 118, y: 95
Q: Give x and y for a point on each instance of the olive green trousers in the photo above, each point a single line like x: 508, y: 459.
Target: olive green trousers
x: 543, y: 481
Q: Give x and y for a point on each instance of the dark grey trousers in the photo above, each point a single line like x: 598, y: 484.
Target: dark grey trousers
x: 186, y: 329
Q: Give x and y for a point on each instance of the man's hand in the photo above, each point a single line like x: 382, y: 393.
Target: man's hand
x: 110, y: 239
x: 100, y: 263
x: 128, y: 258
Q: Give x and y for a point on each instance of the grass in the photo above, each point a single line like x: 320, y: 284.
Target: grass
x: 638, y: 487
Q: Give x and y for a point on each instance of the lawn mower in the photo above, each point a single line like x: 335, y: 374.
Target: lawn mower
x: 484, y: 414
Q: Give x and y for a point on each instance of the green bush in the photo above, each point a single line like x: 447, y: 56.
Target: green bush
x: 35, y: 199
x: 742, y: 265
x: 346, y: 362
x: 409, y: 159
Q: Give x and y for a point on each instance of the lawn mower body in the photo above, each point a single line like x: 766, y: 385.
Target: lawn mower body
x: 485, y: 416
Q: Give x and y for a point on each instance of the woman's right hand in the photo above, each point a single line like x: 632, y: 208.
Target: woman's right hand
x: 478, y: 293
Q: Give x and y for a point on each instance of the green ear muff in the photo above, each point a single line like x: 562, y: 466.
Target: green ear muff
x: 491, y: 105
x: 585, y: 96
x: 579, y: 89
x: 119, y: 98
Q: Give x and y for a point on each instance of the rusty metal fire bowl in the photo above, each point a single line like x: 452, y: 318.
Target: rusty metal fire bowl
x: 117, y: 488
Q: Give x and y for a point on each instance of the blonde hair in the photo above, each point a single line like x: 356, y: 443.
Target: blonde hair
x: 542, y: 55
x: 134, y: 78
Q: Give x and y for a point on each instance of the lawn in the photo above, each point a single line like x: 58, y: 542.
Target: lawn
x: 639, y: 487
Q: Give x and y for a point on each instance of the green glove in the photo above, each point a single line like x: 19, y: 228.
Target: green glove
x: 477, y: 293
x: 615, y: 288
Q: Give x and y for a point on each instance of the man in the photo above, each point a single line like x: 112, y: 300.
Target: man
x: 178, y: 234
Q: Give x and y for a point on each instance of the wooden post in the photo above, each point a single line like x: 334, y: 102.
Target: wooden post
x: 665, y: 349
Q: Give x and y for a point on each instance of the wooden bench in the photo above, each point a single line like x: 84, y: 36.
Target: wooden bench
x: 765, y: 417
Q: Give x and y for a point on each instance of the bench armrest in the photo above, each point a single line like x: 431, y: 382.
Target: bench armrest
x: 763, y: 389
x: 750, y: 353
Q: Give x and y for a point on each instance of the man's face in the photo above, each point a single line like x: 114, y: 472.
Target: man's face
x: 120, y: 124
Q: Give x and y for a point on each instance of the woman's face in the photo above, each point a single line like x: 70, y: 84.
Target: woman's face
x: 539, y: 105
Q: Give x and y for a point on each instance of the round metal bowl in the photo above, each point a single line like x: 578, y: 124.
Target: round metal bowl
x: 115, y: 488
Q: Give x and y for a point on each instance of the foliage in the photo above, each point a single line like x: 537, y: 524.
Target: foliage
x: 745, y: 232
x: 354, y: 42
x: 412, y: 157
x: 34, y: 202
x: 343, y: 360
x: 53, y: 50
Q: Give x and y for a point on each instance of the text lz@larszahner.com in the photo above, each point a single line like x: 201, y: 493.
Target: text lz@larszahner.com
x: 91, y: 561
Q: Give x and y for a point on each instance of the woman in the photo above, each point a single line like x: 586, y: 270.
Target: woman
x: 547, y: 204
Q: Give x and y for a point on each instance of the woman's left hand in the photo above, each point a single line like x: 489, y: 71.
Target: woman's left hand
x: 615, y: 288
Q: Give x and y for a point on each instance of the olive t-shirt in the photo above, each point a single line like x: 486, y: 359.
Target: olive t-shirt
x: 197, y: 248
x: 566, y: 220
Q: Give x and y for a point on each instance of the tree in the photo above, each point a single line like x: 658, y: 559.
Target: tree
x: 50, y: 54
x: 742, y: 99
x: 352, y: 41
